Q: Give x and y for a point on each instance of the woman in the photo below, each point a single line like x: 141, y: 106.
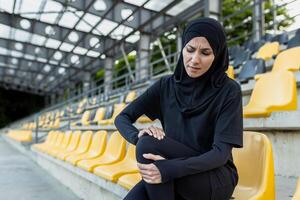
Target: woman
x: 200, y: 110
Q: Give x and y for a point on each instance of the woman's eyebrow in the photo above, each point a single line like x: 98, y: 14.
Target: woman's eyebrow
x: 203, y: 49
x: 191, y: 46
x: 206, y: 49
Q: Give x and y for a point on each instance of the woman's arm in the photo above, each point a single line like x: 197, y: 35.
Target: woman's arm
x: 179, y: 167
x: 148, y: 103
x: 228, y: 134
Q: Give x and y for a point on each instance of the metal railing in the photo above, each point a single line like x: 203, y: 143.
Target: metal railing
x: 168, y: 60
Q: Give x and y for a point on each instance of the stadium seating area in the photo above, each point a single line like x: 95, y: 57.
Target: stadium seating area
x: 83, y: 134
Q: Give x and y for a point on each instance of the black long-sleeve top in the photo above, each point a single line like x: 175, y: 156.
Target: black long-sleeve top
x: 212, y: 132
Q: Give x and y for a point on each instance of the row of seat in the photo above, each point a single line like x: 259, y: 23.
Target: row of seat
x: 269, y: 43
x: 276, y: 90
x: 259, y: 105
x: 29, y: 125
x: 93, y: 153
x: 106, y: 115
x: 111, y: 161
x: 252, y: 67
x: 20, y: 135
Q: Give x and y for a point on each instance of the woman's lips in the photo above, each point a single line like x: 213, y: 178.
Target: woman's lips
x: 194, y: 68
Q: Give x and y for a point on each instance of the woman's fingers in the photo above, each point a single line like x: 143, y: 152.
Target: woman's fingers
x: 148, y: 181
x: 152, y: 131
x: 157, y: 133
x: 143, y: 166
x: 142, y: 132
x: 154, y: 177
x: 151, y: 156
x: 150, y: 167
x: 148, y: 173
x: 160, y: 132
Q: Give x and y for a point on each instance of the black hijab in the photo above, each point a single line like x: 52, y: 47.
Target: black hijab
x: 194, y: 94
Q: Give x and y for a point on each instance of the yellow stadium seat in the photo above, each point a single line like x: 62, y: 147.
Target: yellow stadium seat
x: 80, y: 107
x: 117, y: 109
x: 113, y: 171
x: 130, y: 96
x: 144, y: 119
x: 129, y: 180
x: 288, y: 60
x: 297, y: 192
x: 71, y: 147
x: 58, y: 141
x: 48, y: 140
x: 84, y: 119
x: 55, y: 123
x: 114, y: 152
x: 230, y: 72
x: 50, y: 143
x: 268, y: 50
x: 100, y: 113
x: 276, y: 91
x: 25, y: 126
x: 96, y: 149
x: 63, y: 145
x: 20, y: 135
x: 83, y: 146
x: 255, y: 167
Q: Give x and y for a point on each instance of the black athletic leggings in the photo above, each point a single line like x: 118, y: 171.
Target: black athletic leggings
x: 191, y: 187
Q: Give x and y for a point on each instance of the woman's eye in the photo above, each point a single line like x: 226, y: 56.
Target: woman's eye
x: 206, y: 53
x: 189, y: 49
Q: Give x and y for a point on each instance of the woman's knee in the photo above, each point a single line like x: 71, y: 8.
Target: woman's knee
x: 146, y: 144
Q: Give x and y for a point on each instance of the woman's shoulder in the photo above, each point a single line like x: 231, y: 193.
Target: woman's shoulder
x: 163, y: 81
x: 166, y: 78
x: 232, y: 87
x: 159, y: 84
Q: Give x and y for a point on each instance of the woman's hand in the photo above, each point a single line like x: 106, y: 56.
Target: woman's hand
x: 150, y: 173
x: 153, y: 131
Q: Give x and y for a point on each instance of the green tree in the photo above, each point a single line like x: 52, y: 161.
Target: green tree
x: 239, y: 27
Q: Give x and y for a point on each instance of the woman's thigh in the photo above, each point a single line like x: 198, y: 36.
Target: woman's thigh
x: 167, y: 147
x: 138, y: 192
x: 211, y: 185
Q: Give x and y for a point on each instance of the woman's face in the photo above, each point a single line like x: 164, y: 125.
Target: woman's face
x: 197, y: 56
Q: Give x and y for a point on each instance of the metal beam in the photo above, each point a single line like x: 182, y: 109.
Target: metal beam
x: 43, y: 52
x: 6, y: 66
x: 81, y: 39
x: 61, y: 32
x: 116, y: 15
x: 147, y: 26
x: 39, y: 64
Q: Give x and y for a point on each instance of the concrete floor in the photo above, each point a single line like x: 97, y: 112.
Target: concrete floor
x: 22, y: 179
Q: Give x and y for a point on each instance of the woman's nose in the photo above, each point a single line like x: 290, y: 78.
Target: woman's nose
x: 196, y: 58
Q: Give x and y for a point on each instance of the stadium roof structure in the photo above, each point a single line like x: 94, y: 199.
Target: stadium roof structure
x: 46, y: 45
